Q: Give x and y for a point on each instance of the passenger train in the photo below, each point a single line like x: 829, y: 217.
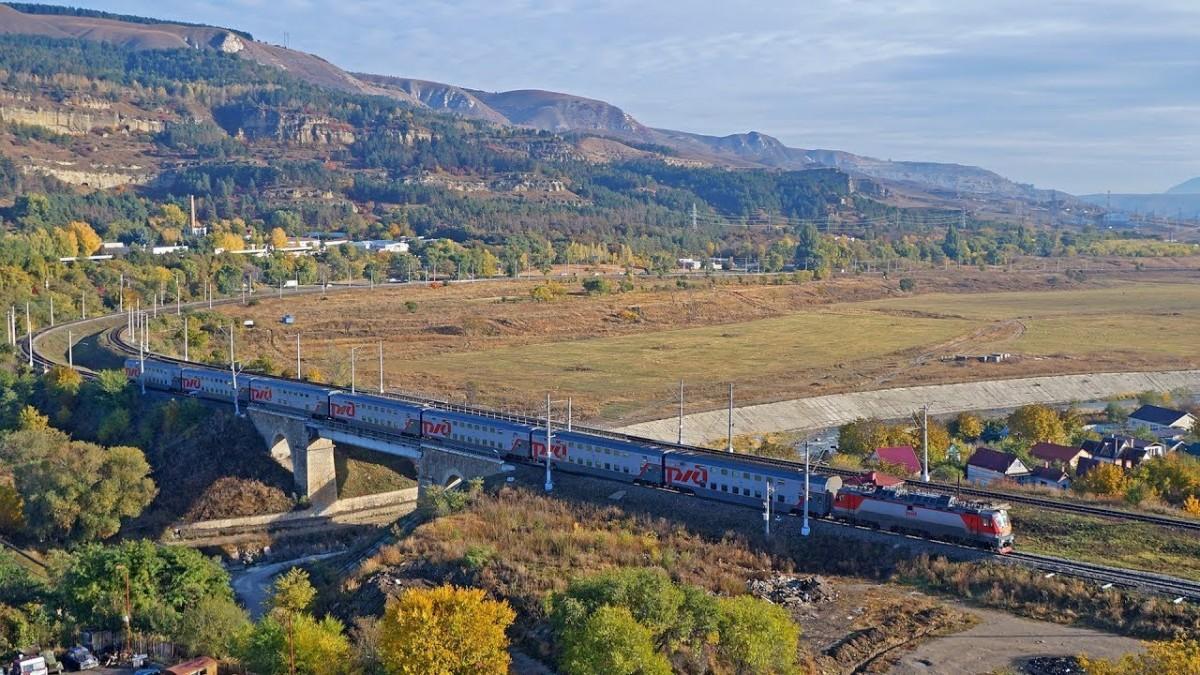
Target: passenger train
x: 731, y: 478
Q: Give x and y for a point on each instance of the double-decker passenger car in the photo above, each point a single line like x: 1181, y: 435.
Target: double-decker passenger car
x: 479, y: 432
x: 212, y: 384
x: 310, y: 399
x: 376, y: 412
x: 158, y: 375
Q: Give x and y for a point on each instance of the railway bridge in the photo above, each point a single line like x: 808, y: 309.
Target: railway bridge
x: 305, y: 446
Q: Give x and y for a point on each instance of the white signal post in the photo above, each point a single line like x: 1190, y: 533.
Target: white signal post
x: 767, y: 511
x: 233, y: 372
x: 549, y: 438
x: 381, y: 366
x: 729, y: 437
x: 52, y: 310
x: 70, y: 350
x: 298, y: 356
x: 804, y: 529
x: 185, y: 338
x: 925, y: 442
x: 679, y: 436
x: 83, y: 305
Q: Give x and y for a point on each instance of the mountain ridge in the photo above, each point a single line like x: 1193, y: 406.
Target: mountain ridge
x: 557, y: 112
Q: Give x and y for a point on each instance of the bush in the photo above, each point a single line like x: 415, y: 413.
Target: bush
x: 907, y: 285
x: 233, y: 497
x: 597, y: 286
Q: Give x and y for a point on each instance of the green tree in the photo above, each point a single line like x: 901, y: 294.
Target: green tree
x: 292, y: 592
x: 85, y: 501
x: 165, y: 582
x: 456, y: 631
x: 756, y: 636
x: 215, y: 626
x: 611, y: 642
x: 862, y: 436
x: 654, y: 601
x: 597, y: 286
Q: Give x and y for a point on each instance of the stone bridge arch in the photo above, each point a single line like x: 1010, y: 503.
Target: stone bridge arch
x: 298, y: 449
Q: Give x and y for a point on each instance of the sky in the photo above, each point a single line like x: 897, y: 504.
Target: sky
x: 1083, y: 96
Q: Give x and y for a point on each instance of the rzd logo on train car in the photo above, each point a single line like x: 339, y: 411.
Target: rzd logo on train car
x: 341, y: 409
x: 132, y: 372
x: 676, y: 476
x: 260, y: 394
x: 190, y: 383
x: 558, y: 450
x: 431, y: 428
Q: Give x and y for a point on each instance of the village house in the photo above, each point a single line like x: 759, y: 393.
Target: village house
x: 1047, y: 476
x: 1162, y: 422
x: 900, y: 455
x: 1125, y: 451
x: 1052, y: 453
x: 988, y: 466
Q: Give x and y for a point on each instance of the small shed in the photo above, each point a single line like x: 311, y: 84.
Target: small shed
x: 288, y: 319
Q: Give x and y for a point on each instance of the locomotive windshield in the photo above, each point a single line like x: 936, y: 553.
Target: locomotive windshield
x: 1001, y: 520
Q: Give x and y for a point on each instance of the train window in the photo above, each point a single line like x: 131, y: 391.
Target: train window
x: 625, y: 469
x: 780, y: 498
x: 758, y: 478
x: 607, y: 466
x: 758, y: 494
x: 724, y: 472
x: 746, y: 474
x: 725, y: 488
x: 712, y: 486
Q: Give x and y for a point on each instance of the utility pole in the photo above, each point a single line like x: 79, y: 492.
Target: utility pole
x: 70, y: 350
x: 29, y: 334
x: 141, y: 355
x: 804, y: 529
x: 925, y: 441
x: 233, y: 372
x: 83, y: 304
x: 679, y: 435
x: 549, y: 487
x: 568, y: 413
x: 298, y: 356
x: 185, y: 338
x: 729, y: 437
x: 128, y: 614
x: 352, y: 363
x: 281, y: 289
x: 381, y: 366
x: 121, y: 294
x: 51, y: 311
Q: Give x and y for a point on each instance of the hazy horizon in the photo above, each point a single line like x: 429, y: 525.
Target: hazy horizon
x: 1082, y: 97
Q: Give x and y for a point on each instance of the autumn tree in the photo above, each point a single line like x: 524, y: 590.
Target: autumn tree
x: 968, y: 426
x: 610, y: 641
x: 756, y: 636
x: 279, y: 238
x: 290, y: 633
x: 457, y: 631
x: 89, y: 242
x: 863, y: 435
x: 1035, y: 422
x: 1104, y: 479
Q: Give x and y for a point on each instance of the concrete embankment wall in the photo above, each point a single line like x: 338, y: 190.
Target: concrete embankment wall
x: 836, y: 409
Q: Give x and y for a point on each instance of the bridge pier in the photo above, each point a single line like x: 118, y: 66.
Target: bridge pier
x: 296, y: 448
x: 443, y: 467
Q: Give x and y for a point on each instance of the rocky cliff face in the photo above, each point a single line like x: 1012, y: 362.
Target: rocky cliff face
x: 284, y: 126
x: 76, y: 122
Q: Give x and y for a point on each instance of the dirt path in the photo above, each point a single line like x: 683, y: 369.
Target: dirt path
x: 1003, y: 641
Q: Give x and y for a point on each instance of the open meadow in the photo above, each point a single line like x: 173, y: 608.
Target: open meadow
x: 621, y: 356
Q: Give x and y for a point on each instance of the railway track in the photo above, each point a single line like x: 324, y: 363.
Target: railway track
x: 1116, y: 577
x: 1173, y: 587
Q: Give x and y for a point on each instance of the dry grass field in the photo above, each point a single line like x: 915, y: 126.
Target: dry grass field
x: 620, y: 357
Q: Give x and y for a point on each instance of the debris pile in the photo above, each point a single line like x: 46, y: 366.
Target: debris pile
x: 1052, y: 665
x: 790, y: 592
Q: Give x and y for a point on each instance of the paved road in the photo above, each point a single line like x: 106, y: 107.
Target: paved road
x: 253, y: 584
x: 821, y: 412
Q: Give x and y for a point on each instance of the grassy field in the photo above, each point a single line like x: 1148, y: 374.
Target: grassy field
x: 620, y: 357
x: 1123, y: 544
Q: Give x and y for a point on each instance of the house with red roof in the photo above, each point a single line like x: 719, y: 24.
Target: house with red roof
x: 1053, y: 453
x: 900, y: 455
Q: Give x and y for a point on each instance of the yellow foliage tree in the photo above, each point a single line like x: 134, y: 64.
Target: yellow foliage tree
x: 1036, y: 422
x: 969, y: 426
x: 455, y: 631
x: 1180, y: 656
x: 30, y: 418
x: 1106, y: 479
x: 227, y: 241
x: 89, y: 241
x: 279, y: 238
x: 12, y: 509
x: 1191, y: 505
